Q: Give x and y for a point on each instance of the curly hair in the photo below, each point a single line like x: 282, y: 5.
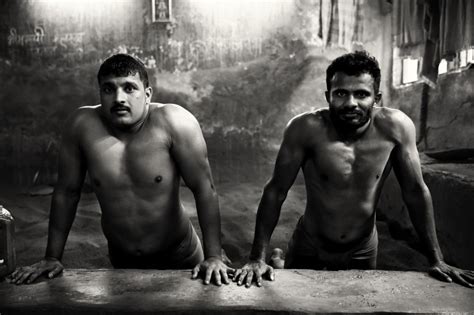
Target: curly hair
x: 355, y: 64
x: 123, y: 65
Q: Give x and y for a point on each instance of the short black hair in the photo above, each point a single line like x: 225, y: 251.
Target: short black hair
x: 123, y: 65
x: 355, y: 63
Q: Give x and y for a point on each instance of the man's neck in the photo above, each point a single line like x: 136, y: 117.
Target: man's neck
x: 130, y: 130
x: 350, y: 133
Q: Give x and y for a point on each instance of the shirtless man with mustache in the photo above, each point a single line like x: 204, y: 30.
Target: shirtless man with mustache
x: 135, y: 153
x: 346, y: 152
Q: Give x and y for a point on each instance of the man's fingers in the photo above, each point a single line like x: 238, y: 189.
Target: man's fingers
x: 258, y: 278
x: 271, y: 273
x: 248, y: 282
x: 242, y: 276
x: 469, y: 272
x: 224, y: 276
x: 56, y: 271
x: 22, y: 278
x: 438, y: 274
x: 33, y: 276
x: 195, y: 272
x: 217, y: 276
x: 236, y: 275
x: 458, y: 279
x: 207, y: 278
x: 468, y: 277
x: 14, y: 274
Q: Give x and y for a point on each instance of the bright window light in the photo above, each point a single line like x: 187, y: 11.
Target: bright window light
x: 443, y: 67
x: 409, y: 70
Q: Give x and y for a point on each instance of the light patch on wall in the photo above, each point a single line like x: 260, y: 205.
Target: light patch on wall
x: 92, y: 9
x: 245, y: 18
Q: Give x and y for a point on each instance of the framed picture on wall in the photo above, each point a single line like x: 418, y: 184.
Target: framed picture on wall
x: 161, y: 10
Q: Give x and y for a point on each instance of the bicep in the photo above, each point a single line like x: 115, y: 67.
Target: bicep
x: 406, y: 160
x: 190, y: 154
x: 72, y: 166
x: 288, y: 162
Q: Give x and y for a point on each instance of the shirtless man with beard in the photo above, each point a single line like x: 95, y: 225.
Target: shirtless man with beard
x: 346, y: 152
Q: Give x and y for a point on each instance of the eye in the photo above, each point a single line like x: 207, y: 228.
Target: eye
x: 361, y: 94
x: 129, y: 88
x: 106, y: 89
x: 340, y: 93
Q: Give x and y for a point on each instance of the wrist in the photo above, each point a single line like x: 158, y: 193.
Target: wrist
x: 435, y: 257
x: 51, y: 258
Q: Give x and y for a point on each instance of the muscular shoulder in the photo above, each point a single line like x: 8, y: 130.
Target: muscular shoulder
x: 173, y: 117
x: 82, y: 118
x: 308, y: 125
x: 394, y: 123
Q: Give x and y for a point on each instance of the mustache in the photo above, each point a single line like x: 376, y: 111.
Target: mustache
x: 119, y: 107
x: 351, y: 112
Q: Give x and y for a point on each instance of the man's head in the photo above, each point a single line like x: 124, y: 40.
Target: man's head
x: 353, y: 82
x: 124, y: 91
x: 355, y: 64
x: 123, y: 65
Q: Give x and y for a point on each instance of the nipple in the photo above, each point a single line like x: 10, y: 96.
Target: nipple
x: 158, y: 178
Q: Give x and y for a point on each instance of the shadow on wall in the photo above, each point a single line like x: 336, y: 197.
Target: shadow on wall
x: 242, y: 110
x: 35, y: 101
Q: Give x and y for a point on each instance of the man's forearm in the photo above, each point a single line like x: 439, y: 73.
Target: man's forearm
x: 267, y: 219
x: 207, y: 206
x: 63, y: 210
x: 420, y: 207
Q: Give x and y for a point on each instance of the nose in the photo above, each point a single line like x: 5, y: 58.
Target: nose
x: 350, y: 102
x: 120, y: 96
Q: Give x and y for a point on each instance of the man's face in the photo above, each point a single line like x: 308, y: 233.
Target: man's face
x: 351, y: 99
x: 124, y: 99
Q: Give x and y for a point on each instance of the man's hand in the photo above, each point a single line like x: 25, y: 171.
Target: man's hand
x: 213, y: 266
x: 51, y: 266
x: 444, y: 272
x: 257, y: 269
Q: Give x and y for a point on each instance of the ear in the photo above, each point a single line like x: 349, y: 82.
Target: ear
x: 378, y: 97
x: 148, y: 94
x: 327, y: 94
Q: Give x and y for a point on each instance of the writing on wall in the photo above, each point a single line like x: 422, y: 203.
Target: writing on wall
x: 40, y: 46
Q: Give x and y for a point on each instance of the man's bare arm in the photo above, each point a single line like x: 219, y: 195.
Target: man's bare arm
x: 66, y: 195
x: 67, y: 192
x: 417, y: 197
x: 288, y: 163
x: 190, y: 153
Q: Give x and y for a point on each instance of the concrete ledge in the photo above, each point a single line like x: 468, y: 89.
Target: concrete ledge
x: 80, y: 291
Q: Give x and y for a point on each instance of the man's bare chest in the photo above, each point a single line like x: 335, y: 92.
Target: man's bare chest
x: 349, y: 163
x: 137, y: 161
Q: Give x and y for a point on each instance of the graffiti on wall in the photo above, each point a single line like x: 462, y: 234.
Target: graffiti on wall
x: 171, y: 54
x: 40, y: 46
x: 209, y: 53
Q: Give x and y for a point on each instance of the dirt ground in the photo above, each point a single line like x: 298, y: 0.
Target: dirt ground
x: 86, y: 246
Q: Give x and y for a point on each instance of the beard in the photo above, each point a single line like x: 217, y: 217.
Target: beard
x: 350, y: 119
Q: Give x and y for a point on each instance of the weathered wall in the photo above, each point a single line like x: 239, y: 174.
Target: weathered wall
x: 450, y: 110
x: 451, y: 113
x: 243, y: 72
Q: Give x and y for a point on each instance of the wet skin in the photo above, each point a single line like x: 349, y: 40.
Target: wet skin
x: 135, y: 153
x: 346, y: 152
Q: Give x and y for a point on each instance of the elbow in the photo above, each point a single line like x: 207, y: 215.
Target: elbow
x: 275, y: 192
x: 416, y: 193
x: 204, y: 189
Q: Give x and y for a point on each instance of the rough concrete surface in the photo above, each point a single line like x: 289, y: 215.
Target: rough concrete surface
x: 293, y: 292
